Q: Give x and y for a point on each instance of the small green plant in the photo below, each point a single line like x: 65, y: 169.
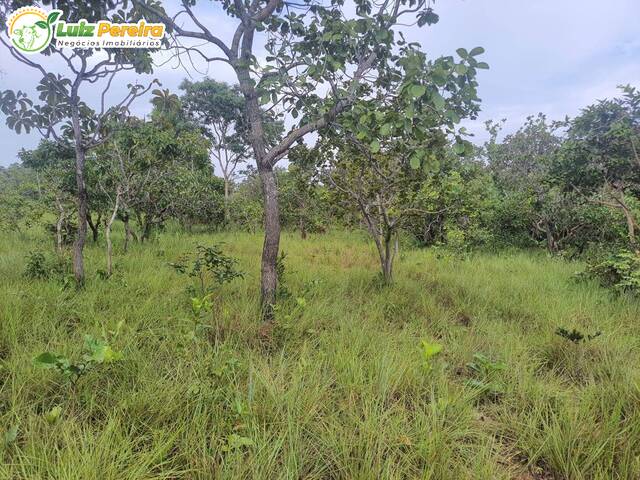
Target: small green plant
x: 429, y: 351
x: 576, y: 336
x: 199, y: 307
x: 486, y: 375
x: 237, y: 442
x: 11, y: 435
x: 208, y: 264
x: 37, y: 266
x: 53, y: 415
x: 97, y: 351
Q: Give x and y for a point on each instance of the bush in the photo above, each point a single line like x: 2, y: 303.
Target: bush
x: 619, y: 270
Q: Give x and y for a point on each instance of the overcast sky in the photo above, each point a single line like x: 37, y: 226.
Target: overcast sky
x: 550, y: 56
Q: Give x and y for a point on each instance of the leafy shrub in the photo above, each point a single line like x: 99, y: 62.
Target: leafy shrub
x: 37, y: 267
x: 208, y: 263
x: 619, y: 270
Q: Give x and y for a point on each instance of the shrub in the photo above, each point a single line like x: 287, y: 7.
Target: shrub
x: 618, y: 270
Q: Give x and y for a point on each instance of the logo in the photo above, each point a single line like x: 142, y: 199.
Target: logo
x: 32, y: 30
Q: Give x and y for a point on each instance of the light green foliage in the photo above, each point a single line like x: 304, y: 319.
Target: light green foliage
x: 97, y: 351
x: 429, y: 350
x: 210, y: 267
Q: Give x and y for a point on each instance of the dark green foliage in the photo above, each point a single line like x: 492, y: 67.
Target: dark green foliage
x: 37, y: 267
x: 576, y: 336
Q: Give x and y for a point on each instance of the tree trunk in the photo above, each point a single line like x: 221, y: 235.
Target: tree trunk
x: 59, y: 223
x: 303, y: 228
x: 387, y: 260
x: 271, y: 244
x: 107, y: 235
x: 95, y: 227
x: 226, y: 199
x: 83, y: 199
x: 268, y: 270
x: 129, y: 234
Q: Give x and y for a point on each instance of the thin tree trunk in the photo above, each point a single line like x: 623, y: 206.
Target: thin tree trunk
x: 107, y: 234
x: 83, y: 200
x: 226, y: 199
x: 59, y: 223
x: 129, y: 234
x: 95, y: 227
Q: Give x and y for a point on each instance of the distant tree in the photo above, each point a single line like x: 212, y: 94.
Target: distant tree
x: 53, y: 163
x: 303, y: 204
x: 219, y: 110
x: 522, y: 165
x: 601, y: 158
x: 61, y: 113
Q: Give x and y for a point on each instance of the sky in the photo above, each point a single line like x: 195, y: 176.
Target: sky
x: 549, y: 56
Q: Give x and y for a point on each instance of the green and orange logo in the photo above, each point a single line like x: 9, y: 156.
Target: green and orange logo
x: 31, y: 28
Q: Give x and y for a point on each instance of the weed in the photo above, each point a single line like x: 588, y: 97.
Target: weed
x: 97, y: 351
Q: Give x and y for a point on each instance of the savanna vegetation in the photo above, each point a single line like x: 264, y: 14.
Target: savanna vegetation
x: 314, y: 272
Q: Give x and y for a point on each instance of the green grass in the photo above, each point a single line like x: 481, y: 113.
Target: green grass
x: 340, y: 390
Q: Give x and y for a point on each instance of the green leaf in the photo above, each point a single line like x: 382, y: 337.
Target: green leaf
x: 430, y: 349
x: 459, y: 148
x: 386, y: 129
x: 53, y: 415
x: 461, y: 69
x: 462, y: 52
x: 483, y: 65
x: 11, y: 435
x: 438, y: 100
x: 53, y: 16
x: 476, y: 51
x: 374, y: 146
x: 417, y: 90
x: 42, y: 24
x: 46, y: 359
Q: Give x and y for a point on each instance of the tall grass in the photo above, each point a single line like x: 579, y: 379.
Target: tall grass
x: 338, y: 390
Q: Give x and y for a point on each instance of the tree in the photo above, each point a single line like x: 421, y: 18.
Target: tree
x: 601, y: 158
x: 386, y: 146
x: 301, y: 195
x: 154, y: 164
x: 53, y: 164
x: 312, y: 48
x: 61, y: 113
x: 522, y: 166
x: 219, y: 109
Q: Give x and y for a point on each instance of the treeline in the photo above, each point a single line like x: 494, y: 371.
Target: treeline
x: 571, y: 187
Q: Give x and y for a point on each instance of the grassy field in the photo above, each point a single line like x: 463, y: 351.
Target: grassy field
x: 341, y: 390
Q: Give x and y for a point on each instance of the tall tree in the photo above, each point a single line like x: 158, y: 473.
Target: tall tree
x: 320, y: 59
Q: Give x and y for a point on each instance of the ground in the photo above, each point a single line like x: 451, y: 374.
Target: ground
x: 339, y: 388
